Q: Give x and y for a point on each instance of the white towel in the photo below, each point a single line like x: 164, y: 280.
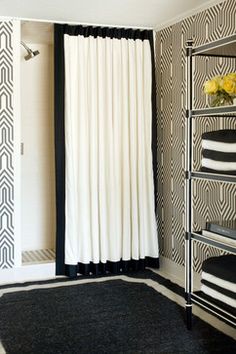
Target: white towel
x: 218, y: 296
x: 219, y: 165
x: 219, y: 282
x: 218, y: 146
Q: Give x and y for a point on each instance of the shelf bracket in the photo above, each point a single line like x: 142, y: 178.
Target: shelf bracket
x: 189, y: 47
x: 187, y: 174
x: 187, y: 235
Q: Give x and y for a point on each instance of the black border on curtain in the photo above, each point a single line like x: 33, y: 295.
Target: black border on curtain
x: 59, y: 80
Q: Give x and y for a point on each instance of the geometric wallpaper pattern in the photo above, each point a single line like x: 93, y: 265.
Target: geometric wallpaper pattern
x: 212, y: 200
x: 6, y: 147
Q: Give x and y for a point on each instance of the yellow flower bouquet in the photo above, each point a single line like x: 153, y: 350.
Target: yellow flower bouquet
x: 223, y: 88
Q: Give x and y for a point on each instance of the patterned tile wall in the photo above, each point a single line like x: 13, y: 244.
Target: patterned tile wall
x: 211, y: 199
x: 6, y: 147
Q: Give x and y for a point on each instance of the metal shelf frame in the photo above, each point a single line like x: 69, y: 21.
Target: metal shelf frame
x: 212, y: 176
x: 225, y: 47
x: 197, y: 236
x: 221, y: 112
x: 213, y: 308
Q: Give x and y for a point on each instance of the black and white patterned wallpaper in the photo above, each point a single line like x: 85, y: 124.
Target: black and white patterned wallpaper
x: 6, y: 147
x: 211, y: 200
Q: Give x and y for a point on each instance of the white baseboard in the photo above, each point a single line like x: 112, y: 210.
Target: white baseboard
x: 176, y: 272
x: 172, y: 270
x: 25, y: 273
x: 168, y: 268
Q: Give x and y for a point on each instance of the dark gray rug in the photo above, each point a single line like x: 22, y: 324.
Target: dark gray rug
x: 106, y: 317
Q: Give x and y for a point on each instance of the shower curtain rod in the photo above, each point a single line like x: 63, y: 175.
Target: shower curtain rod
x: 9, y: 18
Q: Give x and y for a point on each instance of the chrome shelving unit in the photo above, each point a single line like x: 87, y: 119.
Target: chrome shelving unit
x: 225, y: 47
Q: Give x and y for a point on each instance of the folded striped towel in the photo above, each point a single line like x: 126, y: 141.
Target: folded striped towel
x: 218, y: 146
x: 222, y: 267
x: 219, y: 165
x: 219, y: 155
x: 223, y: 136
x: 219, y: 278
x: 219, y: 151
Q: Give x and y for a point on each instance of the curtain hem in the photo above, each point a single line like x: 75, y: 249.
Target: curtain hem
x: 110, y: 267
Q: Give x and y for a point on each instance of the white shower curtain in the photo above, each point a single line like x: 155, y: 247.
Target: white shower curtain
x: 109, y: 190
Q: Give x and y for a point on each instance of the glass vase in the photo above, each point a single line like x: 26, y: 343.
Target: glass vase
x: 222, y: 99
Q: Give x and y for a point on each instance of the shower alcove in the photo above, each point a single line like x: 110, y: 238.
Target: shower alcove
x: 37, y: 145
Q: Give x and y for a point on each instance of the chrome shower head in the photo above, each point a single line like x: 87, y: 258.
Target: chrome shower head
x: 30, y: 53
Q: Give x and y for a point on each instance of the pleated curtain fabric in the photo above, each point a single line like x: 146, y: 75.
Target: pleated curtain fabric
x: 109, y: 203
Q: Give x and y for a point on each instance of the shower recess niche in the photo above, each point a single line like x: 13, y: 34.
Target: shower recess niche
x: 37, y: 144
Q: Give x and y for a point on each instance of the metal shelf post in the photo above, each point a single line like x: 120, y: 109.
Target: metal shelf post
x: 188, y: 201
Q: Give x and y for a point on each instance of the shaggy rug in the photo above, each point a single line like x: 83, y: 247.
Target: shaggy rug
x: 119, y: 314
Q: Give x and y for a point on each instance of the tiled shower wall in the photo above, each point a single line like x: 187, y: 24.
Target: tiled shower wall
x: 212, y: 200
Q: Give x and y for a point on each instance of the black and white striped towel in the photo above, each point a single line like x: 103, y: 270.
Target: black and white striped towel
x: 219, y: 152
x: 219, y: 278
